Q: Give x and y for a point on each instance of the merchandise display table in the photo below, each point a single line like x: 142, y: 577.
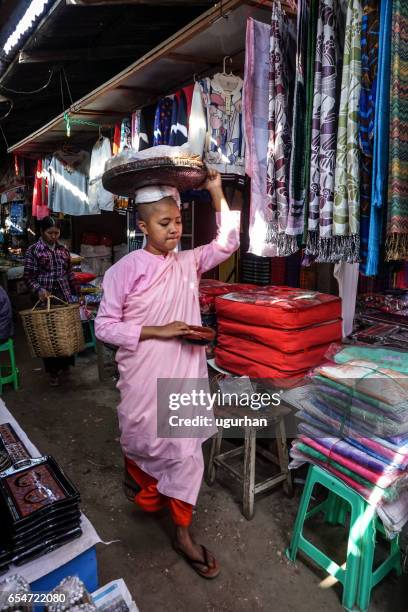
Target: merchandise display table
x: 77, y: 557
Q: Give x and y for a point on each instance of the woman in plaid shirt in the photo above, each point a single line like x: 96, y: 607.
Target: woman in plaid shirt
x: 48, y: 271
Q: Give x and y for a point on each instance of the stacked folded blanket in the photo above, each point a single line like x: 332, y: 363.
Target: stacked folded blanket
x: 275, y: 332
x: 354, y: 423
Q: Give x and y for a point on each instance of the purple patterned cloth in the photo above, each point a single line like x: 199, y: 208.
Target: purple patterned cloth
x: 324, y: 130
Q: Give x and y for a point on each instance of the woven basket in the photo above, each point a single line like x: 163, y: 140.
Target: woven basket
x: 53, y: 331
x: 182, y: 173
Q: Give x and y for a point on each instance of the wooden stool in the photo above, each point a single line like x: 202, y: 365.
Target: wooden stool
x: 275, y: 419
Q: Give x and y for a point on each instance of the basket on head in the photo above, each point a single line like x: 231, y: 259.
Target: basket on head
x: 53, y: 331
x: 179, y: 172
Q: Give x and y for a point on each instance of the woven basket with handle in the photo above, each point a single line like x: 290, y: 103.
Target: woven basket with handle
x: 53, y: 331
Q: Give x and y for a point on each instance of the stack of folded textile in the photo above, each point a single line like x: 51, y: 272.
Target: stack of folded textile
x: 275, y: 332
x: 354, y: 423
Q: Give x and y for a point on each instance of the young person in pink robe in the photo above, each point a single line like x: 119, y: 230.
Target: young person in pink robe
x: 150, y: 299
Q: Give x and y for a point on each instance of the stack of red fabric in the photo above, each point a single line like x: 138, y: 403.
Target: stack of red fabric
x: 210, y: 289
x: 275, y: 332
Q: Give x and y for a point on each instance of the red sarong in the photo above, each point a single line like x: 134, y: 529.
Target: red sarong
x: 151, y: 500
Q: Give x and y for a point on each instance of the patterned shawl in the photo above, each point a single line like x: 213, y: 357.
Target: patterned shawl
x: 397, y: 227
x: 279, y: 144
x: 297, y: 173
x: 347, y: 176
x: 323, y: 145
x: 381, y: 140
x: 369, y: 64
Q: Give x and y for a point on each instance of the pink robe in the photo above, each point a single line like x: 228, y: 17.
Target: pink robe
x: 143, y: 289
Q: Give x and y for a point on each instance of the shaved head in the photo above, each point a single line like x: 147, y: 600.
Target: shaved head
x: 145, y: 211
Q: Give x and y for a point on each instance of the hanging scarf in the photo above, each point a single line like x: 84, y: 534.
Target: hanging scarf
x: 346, y: 228
x: 255, y: 114
x: 369, y: 65
x: 311, y: 49
x: 296, y: 180
x: 381, y: 140
x: 279, y: 143
x: 323, y: 144
x: 397, y: 227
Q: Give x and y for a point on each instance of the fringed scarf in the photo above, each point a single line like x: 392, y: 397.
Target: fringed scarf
x: 397, y: 226
x: 381, y: 140
x: 323, y: 143
x: 297, y: 183
x: 346, y: 226
x: 369, y: 64
x: 279, y: 144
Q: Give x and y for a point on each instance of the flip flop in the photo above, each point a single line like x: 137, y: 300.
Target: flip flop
x: 130, y: 487
x: 194, y: 563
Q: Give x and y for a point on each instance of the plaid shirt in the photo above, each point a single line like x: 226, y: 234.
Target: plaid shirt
x: 50, y: 269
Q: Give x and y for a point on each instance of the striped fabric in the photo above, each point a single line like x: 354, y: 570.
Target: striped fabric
x: 397, y: 226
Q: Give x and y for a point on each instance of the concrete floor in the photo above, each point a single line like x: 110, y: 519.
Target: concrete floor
x: 76, y: 423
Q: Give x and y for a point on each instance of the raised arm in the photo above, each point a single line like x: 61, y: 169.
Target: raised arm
x: 228, y: 224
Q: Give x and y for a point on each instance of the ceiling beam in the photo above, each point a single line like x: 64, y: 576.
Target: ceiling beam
x: 67, y: 55
x: 80, y: 3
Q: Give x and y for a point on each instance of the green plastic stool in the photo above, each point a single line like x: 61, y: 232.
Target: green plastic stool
x: 13, y: 375
x: 91, y: 327
x: 358, y: 577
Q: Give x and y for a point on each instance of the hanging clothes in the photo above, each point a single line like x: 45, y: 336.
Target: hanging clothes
x: 311, y: 50
x: 279, y: 138
x: 297, y: 185
x: 381, y: 140
x: 369, y: 66
x: 40, y: 208
x: 68, y: 182
x: 188, y: 94
x: 179, y: 130
x: 146, y: 134
x: 135, y: 130
x: 222, y: 113
x: 397, y: 222
x: 323, y: 144
x: 116, y: 139
x: 99, y: 198
x: 347, y: 276
x: 197, y: 123
x: 255, y: 115
x: 162, y: 121
x: 125, y: 134
x: 346, y: 212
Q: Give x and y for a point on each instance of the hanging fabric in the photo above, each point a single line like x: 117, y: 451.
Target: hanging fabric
x: 381, y: 140
x: 178, y: 131
x: 125, y: 134
x: 116, y: 139
x: 255, y: 116
x: 40, y: 208
x: 397, y: 222
x: 146, y: 127
x: 297, y: 171
x: 162, y: 121
x: 346, y: 213
x: 197, y: 124
x: 369, y: 67
x: 279, y: 138
x: 311, y: 51
x: 135, y: 130
x: 98, y: 198
x: 323, y: 144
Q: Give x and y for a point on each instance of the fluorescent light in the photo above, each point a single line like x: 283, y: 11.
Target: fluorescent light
x: 26, y: 22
